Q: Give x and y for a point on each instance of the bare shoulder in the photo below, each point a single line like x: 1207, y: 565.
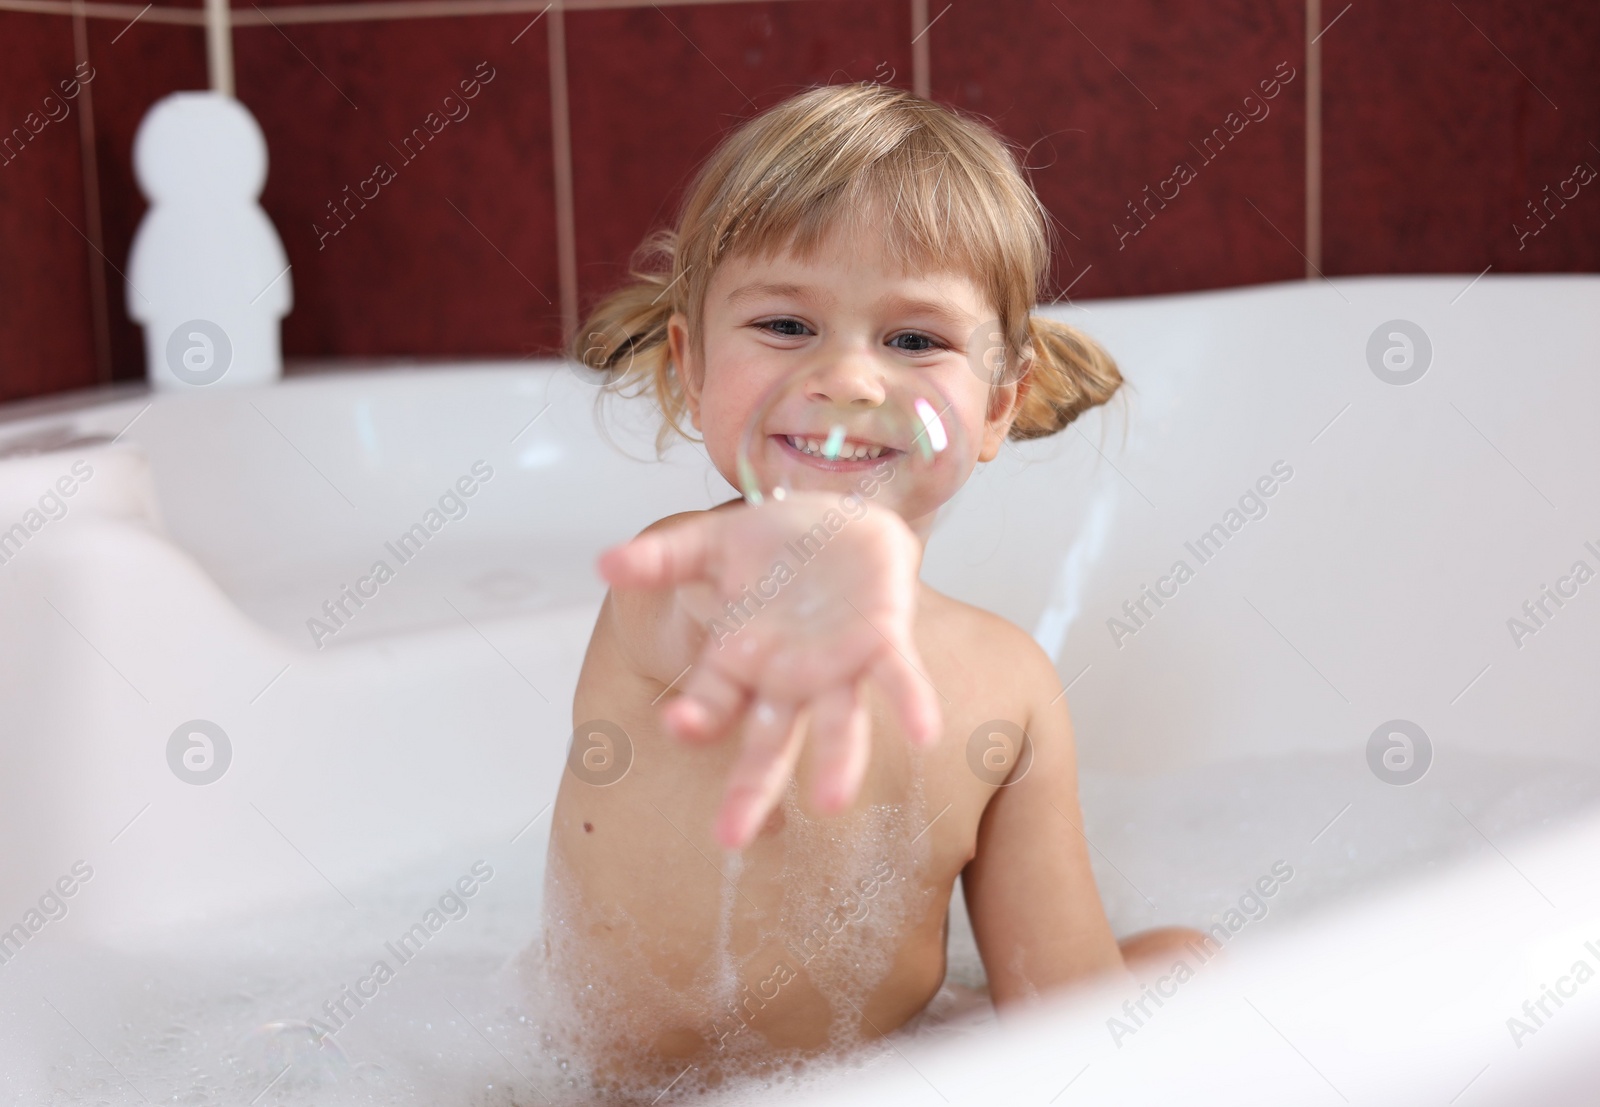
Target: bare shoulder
x: 642, y: 624
x: 644, y: 608
x: 1000, y: 653
x: 649, y: 599
x: 676, y: 517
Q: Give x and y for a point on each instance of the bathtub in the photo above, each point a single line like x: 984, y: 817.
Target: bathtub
x: 1375, y: 669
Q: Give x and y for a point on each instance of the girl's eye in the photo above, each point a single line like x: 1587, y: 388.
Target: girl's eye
x: 911, y: 342
x: 785, y: 328
x: 920, y: 343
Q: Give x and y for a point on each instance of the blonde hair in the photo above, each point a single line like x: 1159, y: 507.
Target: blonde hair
x: 951, y: 197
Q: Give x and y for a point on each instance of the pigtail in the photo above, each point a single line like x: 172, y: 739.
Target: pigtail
x: 1069, y: 373
x: 622, y: 345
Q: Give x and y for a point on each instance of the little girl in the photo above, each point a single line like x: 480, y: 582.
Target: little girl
x: 852, y: 238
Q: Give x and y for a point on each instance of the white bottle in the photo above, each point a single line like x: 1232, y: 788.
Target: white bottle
x: 207, y: 274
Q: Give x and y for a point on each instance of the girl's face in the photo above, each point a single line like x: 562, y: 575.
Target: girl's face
x: 861, y: 340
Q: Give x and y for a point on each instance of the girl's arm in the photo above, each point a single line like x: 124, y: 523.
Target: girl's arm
x: 1030, y: 892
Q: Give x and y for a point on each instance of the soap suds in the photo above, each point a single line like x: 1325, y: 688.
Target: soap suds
x: 221, y: 1014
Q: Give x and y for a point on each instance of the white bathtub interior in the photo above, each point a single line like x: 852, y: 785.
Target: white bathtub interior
x: 1225, y: 733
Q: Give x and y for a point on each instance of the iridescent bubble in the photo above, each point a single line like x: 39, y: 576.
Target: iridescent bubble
x: 289, y: 1054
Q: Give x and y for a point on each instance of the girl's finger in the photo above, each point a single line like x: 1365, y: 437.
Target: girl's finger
x: 672, y: 555
x: 912, y: 699
x: 710, y: 703
x: 841, y: 741
x: 771, y: 744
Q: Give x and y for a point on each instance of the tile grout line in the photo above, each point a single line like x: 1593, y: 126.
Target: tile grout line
x: 920, y: 82
x: 1313, y: 139
x: 561, y: 163
x: 371, y: 11
x: 219, y: 46
x: 99, y: 307
x: 191, y: 17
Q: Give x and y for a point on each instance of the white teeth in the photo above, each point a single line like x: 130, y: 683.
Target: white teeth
x: 847, y: 452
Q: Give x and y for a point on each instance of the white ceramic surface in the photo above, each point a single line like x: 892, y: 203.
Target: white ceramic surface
x: 1378, y: 585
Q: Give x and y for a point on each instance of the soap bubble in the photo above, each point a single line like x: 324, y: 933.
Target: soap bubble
x: 289, y: 1054
x: 907, y: 452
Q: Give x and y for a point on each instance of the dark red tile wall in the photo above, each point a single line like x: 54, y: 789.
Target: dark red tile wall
x: 1441, y: 122
x: 1435, y: 142
x: 653, y: 89
x: 457, y: 253
x: 45, y: 340
x: 1112, y: 99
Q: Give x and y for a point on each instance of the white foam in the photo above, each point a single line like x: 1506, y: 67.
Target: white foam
x: 847, y: 887
x: 214, y: 1016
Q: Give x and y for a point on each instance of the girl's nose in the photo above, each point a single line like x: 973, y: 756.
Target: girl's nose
x: 847, y: 380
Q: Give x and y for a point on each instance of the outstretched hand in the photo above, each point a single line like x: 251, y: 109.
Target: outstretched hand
x: 817, y: 610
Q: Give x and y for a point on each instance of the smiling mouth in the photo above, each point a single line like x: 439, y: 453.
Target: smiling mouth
x: 849, y: 453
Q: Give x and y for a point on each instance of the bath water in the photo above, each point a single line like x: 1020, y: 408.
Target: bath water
x: 257, y: 1009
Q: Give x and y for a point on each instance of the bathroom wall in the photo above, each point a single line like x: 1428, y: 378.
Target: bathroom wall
x: 1169, y: 142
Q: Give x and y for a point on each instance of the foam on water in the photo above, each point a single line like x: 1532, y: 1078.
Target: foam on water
x: 237, y: 1011
x: 834, y: 906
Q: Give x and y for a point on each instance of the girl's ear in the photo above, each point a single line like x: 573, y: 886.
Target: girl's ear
x: 679, y: 347
x: 1005, y: 404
